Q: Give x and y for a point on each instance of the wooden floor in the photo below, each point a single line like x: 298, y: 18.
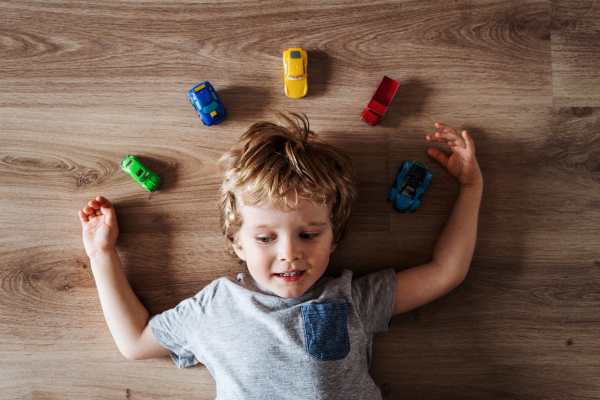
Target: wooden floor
x: 82, y: 84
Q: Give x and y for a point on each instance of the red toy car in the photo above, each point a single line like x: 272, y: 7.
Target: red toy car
x: 381, y: 99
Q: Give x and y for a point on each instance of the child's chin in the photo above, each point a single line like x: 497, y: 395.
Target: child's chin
x: 287, y: 294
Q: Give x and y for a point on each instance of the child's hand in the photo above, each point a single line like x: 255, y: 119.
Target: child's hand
x: 100, y: 229
x: 462, y: 163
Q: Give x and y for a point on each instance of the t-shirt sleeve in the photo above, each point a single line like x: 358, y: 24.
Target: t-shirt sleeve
x: 178, y: 329
x: 374, y: 296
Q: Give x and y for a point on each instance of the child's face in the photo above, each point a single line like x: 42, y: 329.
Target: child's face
x: 297, y: 243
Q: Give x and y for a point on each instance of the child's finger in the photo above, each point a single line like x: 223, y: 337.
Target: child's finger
x: 108, y: 210
x: 450, y: 142
x: 433, y: 138
x: 104, y: 202
x: 447, y: 135
x: 89, y: 214
x: 456, y: 140
x: 468, y: 141
x: 93, y: 208
x: 439, y: 156
x: 445, y: 128
x: 83, y: 217
x: 89, y: 211
x: 106, y: 207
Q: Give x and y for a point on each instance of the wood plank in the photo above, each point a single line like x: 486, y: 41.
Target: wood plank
x: 575, y: 53
x: 85, y: 84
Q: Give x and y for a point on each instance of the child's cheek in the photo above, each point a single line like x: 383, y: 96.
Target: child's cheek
x: 261, y: 257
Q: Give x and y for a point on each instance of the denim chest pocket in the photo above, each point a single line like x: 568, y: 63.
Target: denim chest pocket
x: 326, y: 330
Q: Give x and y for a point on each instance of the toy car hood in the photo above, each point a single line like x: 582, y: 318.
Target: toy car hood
x: 131, y: 164
x: 204, y: 96
x: 296, y: 87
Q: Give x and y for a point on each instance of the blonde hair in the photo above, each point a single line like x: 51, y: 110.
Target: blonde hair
x: 273, y: 163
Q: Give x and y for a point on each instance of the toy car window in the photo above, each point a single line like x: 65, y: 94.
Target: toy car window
x: 145, y: 176
x: 214, y: 95
x: 210, y: 108
x: 413, y: 180
x: 295, y: 54
x: 409, y: 191
x: 129, y: 163
x: 295, y: 78
x: 140, y: 172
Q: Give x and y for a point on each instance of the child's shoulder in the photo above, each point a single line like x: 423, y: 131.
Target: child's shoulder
x: 219, y: 290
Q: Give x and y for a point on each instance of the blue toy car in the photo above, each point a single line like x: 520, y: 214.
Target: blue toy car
x: 207, y: 103
x: 409, y: 186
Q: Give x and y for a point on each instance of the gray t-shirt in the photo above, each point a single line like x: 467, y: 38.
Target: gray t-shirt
x: 258, y: 345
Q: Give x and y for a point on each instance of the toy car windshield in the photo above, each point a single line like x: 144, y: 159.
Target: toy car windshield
x: 377, y: 108
x: 210, y: 108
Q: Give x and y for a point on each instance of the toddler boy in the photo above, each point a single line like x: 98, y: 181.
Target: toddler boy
x: 284, y: 330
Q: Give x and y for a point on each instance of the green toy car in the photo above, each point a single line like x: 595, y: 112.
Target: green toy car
x: 138, y: 171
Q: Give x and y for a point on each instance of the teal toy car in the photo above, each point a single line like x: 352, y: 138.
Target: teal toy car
x: 138, y: 171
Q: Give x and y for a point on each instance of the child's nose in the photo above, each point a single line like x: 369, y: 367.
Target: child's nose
x: 289, y: 250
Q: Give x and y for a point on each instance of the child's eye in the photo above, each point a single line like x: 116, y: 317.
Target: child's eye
x: 308, y: 235
x: 264, y: 239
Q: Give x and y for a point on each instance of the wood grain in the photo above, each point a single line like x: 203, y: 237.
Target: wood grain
x: 85, y: 83
x: 575, y: 62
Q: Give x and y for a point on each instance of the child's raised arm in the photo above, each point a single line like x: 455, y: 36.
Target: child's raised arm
x: 454, y: 249
x: 127, y: 318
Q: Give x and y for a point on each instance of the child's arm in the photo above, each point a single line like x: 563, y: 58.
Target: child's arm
x: 454, y: 249
x: 127, y: 318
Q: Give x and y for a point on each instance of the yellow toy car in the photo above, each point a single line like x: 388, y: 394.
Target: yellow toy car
x: 294, y: 69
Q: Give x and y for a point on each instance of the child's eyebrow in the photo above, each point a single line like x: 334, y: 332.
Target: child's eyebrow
x: 271, y: 226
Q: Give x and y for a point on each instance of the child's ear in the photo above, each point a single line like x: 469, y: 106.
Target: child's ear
x: 238, y: 249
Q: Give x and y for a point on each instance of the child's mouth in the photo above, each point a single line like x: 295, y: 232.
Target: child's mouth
x: 290, y: 276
